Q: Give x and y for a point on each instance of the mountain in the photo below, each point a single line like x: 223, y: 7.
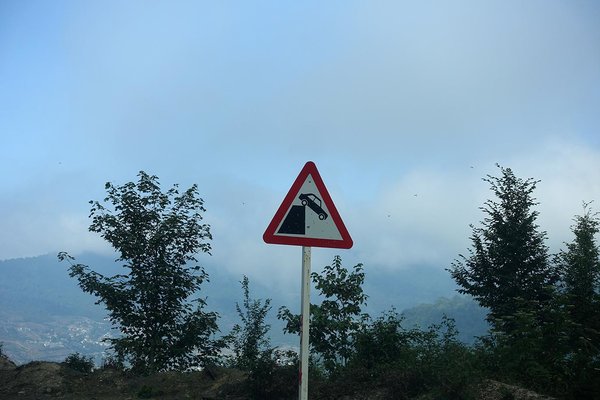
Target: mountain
x: 44, y: 315
x: 468, y: 316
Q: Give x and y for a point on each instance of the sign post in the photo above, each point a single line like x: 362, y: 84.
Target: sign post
x: 307, y: 217
x: 305, y: 324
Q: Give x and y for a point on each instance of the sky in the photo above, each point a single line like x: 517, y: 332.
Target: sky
x: 403, y: 107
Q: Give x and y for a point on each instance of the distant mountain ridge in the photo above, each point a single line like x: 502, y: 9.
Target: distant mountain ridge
x: 44, y: 315
x: 468, y: 316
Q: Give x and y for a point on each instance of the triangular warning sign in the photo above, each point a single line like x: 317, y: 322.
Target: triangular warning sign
x: 307, y: 215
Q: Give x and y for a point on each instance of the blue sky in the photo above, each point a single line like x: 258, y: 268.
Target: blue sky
x: 403, y: 106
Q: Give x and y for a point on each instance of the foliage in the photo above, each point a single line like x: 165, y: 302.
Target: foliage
x: 579, y: 268
x: 335, y: 321
x: 412, y: 362
x: 274, y: 375
x: 250, y: 339
x: 553, y: 347
x: 467, y: 313
x: 359, y: 353
x: 448, y: 366
x: 382, y: 341
x: 545, y: 323
x: 80, y: 363
x: 508, y: 260
x: 535, y: 352
x: 543, y: 330
x: 148, y: 392
x: 251, y: 347
x: 112, y: 362
x: 156, y: 235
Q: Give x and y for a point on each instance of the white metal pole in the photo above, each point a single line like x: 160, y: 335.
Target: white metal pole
x: 305, y: 322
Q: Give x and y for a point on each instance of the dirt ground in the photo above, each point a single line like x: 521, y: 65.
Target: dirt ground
x: 46, y: 380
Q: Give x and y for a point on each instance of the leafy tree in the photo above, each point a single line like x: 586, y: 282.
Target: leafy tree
x: 250, y: 339
x: 508, y: 267
x: 336, y: 320
x: 156, y: 235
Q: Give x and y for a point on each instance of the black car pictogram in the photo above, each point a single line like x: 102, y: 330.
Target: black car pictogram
x: 312, y: 201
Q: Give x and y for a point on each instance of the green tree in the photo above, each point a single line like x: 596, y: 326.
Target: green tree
x: 508, y: 267
x: 252, y: 351
x: 336, y: 320
x: 250, y: 339
x: 579, y: 267
x: 383, y: 341
x: 412, y: 362
x: 535, y: 351
x: 157, y: 235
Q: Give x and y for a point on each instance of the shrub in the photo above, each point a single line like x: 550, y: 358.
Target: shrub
x: 147, y: 392
x: 80, y: 363
x: 412, y: 362
x: 274, y: 376
x: 112, y: 362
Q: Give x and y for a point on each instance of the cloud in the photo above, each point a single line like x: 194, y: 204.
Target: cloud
x: 395, y: 103
x: 423, y: 217
x: 568, y: 171
x: 420, y: 219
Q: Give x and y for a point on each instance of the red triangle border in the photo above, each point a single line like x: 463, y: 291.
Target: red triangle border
x: 270, y: 235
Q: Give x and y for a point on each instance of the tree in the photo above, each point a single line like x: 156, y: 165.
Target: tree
x: 250, y: 339
x: 156, y: 235
x: 251, y: 347
x: 579, y: 268
x: 333, y: 323
x: 508, y: 267
x: 383, y: 341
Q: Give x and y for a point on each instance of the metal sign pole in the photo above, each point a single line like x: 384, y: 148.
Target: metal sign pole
x: 305, y: 323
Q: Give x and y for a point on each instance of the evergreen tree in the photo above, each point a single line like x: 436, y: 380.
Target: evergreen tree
x: 579, y: 267
x: 508, y: 266
x: 156, y: 235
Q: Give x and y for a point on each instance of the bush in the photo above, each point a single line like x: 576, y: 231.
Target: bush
x: 274, y: 376
x: 148, y: 392
x: 412, y: 362
x: 112, y: 362
x: 80, y: 363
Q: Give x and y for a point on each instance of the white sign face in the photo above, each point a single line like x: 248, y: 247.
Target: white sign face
x: 307, y: 216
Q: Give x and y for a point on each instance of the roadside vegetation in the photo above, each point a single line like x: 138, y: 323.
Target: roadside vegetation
x: 543, y: 309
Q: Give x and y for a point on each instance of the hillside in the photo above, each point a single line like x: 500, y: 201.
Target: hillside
x: 44, y: 315
x: 467, y: 314
x: 45, y: 380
